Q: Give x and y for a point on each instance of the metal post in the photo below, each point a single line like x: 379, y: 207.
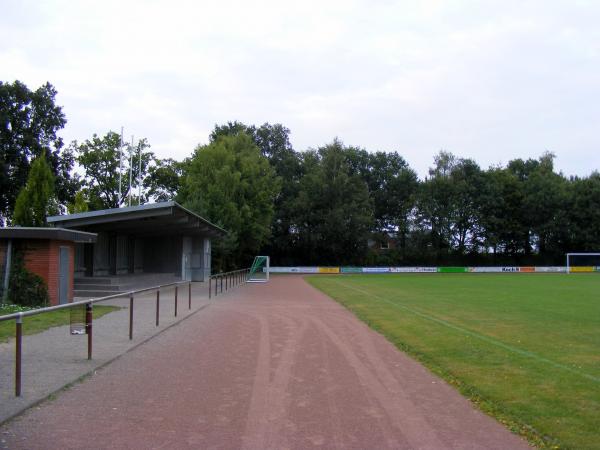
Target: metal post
x: 157, y: 306
x: 7, y: 270
x: 190, y: 295
x: 221, y: 283
x: 130, y: 317
x: 175, y: 301
x: 226, y: 281
x: 209, y: 287
x: 130, y: 168
x: 88, y: 327
x: 120, y: 165
x: 18, y: 352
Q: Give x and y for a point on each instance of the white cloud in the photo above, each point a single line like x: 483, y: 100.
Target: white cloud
x: 490, y: 80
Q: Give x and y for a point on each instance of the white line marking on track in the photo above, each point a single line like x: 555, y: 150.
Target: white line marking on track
x: 474, y: 334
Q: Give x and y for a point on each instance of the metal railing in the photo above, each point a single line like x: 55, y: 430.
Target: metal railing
x: 18, y: 318
x: 227, y: 280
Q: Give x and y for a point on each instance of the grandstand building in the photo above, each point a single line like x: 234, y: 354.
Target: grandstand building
x: 159, y: 238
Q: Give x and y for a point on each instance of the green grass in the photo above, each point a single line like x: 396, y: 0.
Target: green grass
x: 524, y: 347
x: 41, y: 322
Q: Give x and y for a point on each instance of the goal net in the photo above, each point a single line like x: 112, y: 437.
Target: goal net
x: 583, y: 262
x: 259, y: 272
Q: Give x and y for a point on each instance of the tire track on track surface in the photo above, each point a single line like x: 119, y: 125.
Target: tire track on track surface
x: 399, y: 409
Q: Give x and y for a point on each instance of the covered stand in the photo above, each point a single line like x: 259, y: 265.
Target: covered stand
x: 155, y: 238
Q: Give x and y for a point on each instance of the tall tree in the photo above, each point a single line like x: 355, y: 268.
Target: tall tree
x: 435, y: 204
x: 274, y: 144
x: 99, y: 157
x: 449, y: 204
x: 164, y: 179
x: 29, y: 122
x: 230, y: 183
x: 584, y: 214
x: 37, y: 199
x: 334, y: 214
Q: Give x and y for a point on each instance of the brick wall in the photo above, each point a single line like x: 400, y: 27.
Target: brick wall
x: 42, y: 258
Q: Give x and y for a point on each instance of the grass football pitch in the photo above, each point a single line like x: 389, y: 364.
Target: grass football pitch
x: 524, y: 347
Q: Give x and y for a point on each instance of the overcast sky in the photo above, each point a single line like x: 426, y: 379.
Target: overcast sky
x: 489, y: 80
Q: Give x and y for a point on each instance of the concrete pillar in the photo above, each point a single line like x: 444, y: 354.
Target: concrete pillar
x: 122, y: 255
x: 186, y: 258
x: 79, y: 260
x: 101, y: 255
x: 138, y: 256
x: 206, y: 263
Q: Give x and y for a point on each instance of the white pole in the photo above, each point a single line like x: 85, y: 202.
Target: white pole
x: 140, y: 176
x: 130, y: 167
x: 7, y: 271
x: 120, y: 166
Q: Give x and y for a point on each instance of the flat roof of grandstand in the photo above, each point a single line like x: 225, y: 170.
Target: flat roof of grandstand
x: 59, y: 234
x: 150, y: 219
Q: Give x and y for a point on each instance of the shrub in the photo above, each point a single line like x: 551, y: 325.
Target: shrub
x: 26, y: 288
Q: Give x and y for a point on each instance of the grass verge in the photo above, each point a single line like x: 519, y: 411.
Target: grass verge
x: 41, y: 322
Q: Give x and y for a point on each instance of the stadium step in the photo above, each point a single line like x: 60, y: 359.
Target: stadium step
x: 81, y: 293
x: 93, y: 280
x: 97, y: 287
x: 87, y: 287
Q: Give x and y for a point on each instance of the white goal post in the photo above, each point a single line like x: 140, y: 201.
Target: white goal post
x: 582, y: 268
x: 259, y: 272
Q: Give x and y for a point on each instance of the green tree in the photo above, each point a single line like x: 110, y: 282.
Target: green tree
x: 164, y: 179
x: 230, y: 183
x: 79, y: 204
x: 99, y: 157
x: 29, y: 122
x: 435, y: 206
x: 37, y: 199
x: 545, y: 206
x: 274, y: 144
x: 333, y: 211
x: 449, y: 205
x: 584, y: 214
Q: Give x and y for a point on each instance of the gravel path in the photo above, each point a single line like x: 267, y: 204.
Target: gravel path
x: 54, y: 358
x: 267, y: 366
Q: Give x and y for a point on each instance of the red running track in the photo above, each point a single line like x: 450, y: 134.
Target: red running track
x: 266, y: 366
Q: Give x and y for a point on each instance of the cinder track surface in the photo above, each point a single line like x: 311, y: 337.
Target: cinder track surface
x: 266, y: 366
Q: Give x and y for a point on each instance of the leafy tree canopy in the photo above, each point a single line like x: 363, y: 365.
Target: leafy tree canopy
x: 37, y: 199
x: 29, y: 122
x: 230, y: 183
x: 99, y: 157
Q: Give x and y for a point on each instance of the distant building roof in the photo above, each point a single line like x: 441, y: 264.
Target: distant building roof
x: 60, y: 234
x: 151, y: 219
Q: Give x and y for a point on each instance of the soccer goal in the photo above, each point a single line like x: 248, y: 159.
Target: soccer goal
x: 259, y: 272
x: 583, y: 262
